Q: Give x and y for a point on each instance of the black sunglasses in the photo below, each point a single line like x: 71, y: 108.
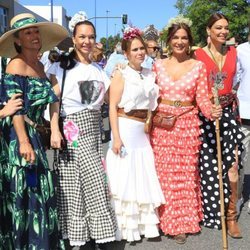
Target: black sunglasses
x: 154, y: 48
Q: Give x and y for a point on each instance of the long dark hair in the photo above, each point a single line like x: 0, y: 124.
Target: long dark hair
x: 173, y: 29
x: 214, y: 18
x: 67, y: 60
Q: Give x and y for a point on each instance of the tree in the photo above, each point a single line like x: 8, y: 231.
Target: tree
x: 237, y: 11
x: 112, y: 41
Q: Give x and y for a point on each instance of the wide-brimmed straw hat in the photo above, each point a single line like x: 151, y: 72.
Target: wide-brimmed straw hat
x: 51, y: 33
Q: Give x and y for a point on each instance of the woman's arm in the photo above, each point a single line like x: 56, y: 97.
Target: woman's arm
x: 25, y: 148
x: 14, y: 104
x: 56, y: 136
x: 115, y: 94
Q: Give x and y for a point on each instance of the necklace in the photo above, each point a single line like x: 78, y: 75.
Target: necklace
x: 138, y: 71
x: 219, y: 64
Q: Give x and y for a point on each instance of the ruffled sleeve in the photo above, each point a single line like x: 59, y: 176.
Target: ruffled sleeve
x: 151, y: 90
x: 202, y: 98
x: 139, y: 93
x: 35, y: 91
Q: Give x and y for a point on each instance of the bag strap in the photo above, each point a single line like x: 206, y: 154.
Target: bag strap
x: 56, y: 151
x: 186, y: 111
x: 61, y: 95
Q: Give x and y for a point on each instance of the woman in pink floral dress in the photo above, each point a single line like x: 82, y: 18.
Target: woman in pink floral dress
x: 183, y: 87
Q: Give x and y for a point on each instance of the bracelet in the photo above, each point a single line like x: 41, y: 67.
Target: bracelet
x: 26, y: 140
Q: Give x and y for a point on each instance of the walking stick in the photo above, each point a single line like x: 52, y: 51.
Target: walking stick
x: 217, y: 85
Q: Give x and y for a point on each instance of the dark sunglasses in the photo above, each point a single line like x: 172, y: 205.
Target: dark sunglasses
x: 154, y: 48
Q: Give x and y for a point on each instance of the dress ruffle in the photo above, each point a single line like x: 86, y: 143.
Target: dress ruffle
x: 135, y: 189
x: 97, y: 222
x: 135, y: 220
x: 176, y: 157
x: 139, y: 93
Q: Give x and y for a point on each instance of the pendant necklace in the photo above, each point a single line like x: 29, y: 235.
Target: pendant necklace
x: 218, y: 78
x: 219, y: 65
x: 138, y: 71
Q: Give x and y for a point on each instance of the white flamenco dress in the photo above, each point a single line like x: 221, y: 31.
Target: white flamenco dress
x: 135, y: 189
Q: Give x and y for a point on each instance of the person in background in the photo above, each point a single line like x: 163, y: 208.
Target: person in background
x: 220, y: 63
x: 152, y: 53
x: 242, y: 79
x: 183, y: 89
x: 49, y: 57
x: 116, y: 58
x: 135, y: 189
x: 28, y: 195
x: 85, y: 211
x: 97, y: 55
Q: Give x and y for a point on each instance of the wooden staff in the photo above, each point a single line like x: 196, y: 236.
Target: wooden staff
x: 219, y: 159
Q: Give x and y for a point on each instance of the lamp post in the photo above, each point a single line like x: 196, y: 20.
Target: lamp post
x: 51, y: 11
x: 95, y: 14
x: 107, y: 29
x: 115, y: 30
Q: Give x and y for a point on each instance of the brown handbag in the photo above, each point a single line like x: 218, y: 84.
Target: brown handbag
x: 167, y: 120
x: 164, y: 120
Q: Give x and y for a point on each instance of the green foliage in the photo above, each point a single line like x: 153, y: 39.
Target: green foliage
x: 112, y: 41
x: 237, y: 11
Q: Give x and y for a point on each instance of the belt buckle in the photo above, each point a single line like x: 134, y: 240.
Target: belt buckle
x: 177, y: 103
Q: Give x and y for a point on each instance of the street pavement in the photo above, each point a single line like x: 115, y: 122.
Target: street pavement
x: 208, y: 239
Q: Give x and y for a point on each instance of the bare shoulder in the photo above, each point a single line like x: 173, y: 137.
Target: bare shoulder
x: 16, y: 66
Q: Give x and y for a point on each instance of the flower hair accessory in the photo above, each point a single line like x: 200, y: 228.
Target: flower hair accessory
x: 178, y: 20
x: 80, y: 16
x: 131, y: 32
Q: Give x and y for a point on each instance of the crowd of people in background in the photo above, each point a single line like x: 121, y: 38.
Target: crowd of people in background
x: 161, y: 168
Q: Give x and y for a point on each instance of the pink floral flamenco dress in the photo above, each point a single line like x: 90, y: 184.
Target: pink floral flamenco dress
x: 176, y: 150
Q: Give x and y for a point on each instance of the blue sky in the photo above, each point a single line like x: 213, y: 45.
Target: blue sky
x: 140, y: 12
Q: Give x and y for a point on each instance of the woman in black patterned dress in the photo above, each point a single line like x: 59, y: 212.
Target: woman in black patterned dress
x: 220, y: 62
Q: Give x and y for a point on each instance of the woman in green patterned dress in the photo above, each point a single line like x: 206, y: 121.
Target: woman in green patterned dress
x: 13, y: 105
x: 29, y: 206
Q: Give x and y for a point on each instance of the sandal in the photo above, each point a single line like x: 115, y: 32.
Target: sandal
x: 180, y: 238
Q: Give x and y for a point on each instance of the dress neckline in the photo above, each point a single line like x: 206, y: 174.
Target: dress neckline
x: 184, y: 75
x: 214, y: 63
x: 25, y: 76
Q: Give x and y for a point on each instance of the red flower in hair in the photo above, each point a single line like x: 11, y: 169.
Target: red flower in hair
x: 131, y: 32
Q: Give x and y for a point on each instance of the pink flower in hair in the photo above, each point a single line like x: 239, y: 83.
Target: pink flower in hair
x: 131, y: 32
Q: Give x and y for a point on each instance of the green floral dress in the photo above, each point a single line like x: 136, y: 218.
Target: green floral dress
x: 27, y: 204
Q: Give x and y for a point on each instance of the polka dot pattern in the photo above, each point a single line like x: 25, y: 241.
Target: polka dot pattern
x: 176, y: 151
x: 230, y: 137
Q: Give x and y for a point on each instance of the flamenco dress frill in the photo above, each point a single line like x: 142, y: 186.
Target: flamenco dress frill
x: 176, y: 151
x: 135, y: 189
x: 28, y: 208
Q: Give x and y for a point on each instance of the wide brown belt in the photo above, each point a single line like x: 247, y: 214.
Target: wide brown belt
x: 176, y: 103
x: 135, y: 114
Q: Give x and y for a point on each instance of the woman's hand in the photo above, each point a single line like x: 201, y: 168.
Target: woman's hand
x: 14, y: 104
x: 216, y: 112
x: 56, y: 139
x: 27, y: 152
x: 116, y: 147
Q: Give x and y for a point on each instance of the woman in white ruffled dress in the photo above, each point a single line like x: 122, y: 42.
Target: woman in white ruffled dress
x: 135, y: 190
